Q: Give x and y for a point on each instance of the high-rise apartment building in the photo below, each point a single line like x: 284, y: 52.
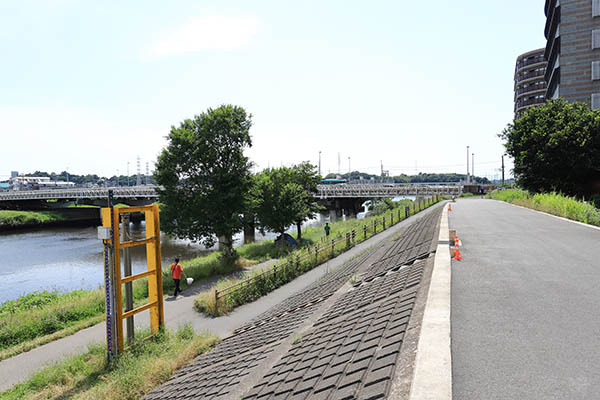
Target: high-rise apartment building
x: 573, y: 50
x: 530, y: 86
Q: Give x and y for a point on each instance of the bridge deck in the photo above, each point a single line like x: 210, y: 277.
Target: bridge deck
x: 324, y: 191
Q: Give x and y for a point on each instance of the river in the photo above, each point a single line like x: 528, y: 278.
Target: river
x: 70, y: 258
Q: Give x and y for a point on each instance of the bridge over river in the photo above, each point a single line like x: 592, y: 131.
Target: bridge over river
x: 346, y: 197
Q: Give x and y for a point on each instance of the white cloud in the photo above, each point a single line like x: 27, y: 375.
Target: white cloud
x: 205, y: 33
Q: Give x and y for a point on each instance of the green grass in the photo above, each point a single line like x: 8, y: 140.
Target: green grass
x: 296, y: 265
x: 136, y: 372
x: 43, y: 313
x: 9, y: 218
x: 551, y: 203
x: 40, y: 317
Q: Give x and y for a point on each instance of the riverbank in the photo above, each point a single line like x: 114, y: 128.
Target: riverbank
x: 551, y: 203
x: 40, y: 318
x: 11, y: 220
x: 344, y: 236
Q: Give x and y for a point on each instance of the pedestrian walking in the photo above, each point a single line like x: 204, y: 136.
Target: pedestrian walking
x: 176, y: 271
x: 327, y: 229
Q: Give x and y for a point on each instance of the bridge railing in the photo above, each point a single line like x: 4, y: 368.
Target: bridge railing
x: 386, y: 190
x: 324, y: 191
x: 80, y: 193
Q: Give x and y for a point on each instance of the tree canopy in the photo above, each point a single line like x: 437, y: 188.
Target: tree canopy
x: 206, y: 176
x: 285, y: 196
x: 556, y: 147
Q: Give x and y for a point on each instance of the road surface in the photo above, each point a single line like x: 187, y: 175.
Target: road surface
x: 525, y: 305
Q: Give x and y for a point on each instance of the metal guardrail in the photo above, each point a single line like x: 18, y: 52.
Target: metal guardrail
x: 328, y: 248
x: 344, y: 190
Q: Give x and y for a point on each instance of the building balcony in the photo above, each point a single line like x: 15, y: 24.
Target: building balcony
x: 529, y: 102
x: 530, y: 75
x: 530, y: 61
x: 530, y: 91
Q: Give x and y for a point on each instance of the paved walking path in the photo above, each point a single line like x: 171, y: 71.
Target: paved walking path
x: 180, y: 311
x: 525, y: 301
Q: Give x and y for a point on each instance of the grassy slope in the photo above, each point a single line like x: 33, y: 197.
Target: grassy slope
x: 551, y: 203
x: 205, y: 302
x: 88, y: 376
x: 16, y: 218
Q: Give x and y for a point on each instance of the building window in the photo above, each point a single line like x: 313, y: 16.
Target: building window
x: 596, y: 39
x: 595, y: 70
x: 595, y: 101
x: 595, y: 8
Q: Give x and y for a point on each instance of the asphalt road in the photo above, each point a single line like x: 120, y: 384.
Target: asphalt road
x: 525, y: 305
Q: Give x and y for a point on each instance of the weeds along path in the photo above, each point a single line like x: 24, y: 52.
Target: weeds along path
x: 180, y: 311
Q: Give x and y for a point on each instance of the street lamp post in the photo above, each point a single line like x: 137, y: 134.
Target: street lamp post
x: 127, y: 173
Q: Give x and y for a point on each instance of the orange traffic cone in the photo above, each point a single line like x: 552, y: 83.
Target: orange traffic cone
x: 449, y: 206
x: 457, y: 241
x: 457, y: 255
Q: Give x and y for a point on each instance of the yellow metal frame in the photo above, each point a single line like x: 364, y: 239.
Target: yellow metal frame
x: 154, y: 273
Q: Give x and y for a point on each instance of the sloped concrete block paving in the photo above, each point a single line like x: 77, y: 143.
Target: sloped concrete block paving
x: 341, y: 338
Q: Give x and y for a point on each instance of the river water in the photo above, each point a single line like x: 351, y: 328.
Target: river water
x: 70, y: 258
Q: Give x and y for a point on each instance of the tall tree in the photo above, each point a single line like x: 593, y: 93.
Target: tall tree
x: 205, y: 177
x: 277, y: 199
x: 285, y: 196
x: 305, y: 175
x: 556, y: 147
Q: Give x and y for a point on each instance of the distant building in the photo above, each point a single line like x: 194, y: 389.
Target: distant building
x: 20, y: 183
x: 14, y: 174
x: 530, y: 86
x: 4, y: 186
x: 573, y: 50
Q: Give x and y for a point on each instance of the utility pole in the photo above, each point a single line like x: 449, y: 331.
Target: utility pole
x: 473, y: 165
x: 348, y: 167
x: 147, y: 173
x: 127, y: 173
x: 467, y: 164
x: 339, y: 165
x: 502, y: 170
x: 320, y: 163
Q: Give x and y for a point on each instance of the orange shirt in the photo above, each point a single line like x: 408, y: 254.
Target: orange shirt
x: 176, y: 271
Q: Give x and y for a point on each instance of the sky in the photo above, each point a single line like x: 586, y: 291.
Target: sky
x: 89, y: 86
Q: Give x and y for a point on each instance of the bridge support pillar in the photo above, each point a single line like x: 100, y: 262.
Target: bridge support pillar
x: 333, y: 215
